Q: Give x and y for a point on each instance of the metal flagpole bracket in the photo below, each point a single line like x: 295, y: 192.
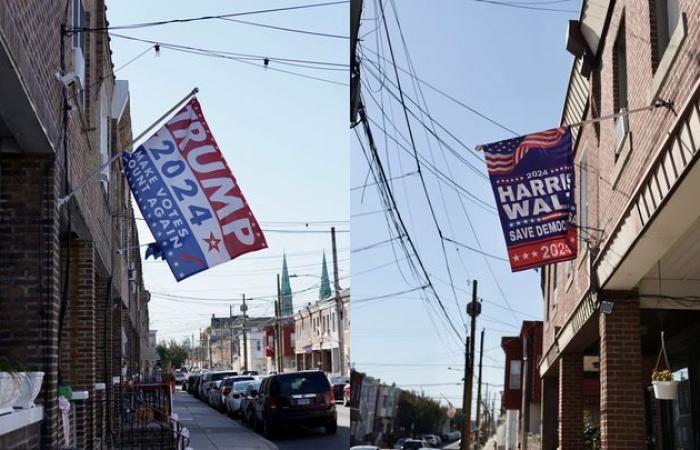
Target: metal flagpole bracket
x: 63, y: 200
x: 660, y: 103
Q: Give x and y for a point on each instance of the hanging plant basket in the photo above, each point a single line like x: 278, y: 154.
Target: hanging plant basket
x: 665, y: 387
x: 665, y: 390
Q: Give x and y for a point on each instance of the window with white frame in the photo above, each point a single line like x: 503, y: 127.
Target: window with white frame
x: 104, y: 138
x: 583, y: 200
x: 667, y: 14
x: 78, y: 44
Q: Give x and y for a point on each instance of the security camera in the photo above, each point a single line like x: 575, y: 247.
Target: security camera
x: 69, y: 79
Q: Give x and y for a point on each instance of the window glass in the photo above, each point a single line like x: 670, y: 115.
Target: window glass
x: 514, y: 382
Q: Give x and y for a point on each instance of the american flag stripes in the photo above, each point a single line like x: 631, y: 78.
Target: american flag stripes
x: 503, y: 156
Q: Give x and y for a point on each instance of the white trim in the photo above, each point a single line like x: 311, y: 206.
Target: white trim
x: 20, y: 418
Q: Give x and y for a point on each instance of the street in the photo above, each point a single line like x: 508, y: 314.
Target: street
x: 211, y: 430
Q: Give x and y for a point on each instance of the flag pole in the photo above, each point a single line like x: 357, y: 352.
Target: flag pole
x: 668, y: 104
x: 61, y: 201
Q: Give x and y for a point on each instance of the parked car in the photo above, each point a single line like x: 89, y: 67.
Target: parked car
x: 414, y: 444
x: 432, y: 439
x: 247, y: 408
x: 364, y: 447
x: 346, y: 395
x: 209, y: 378
x: 295, y: 398
x: 180, y: 377
x: 338, y: 384
x: 220, y: 389
x: 451, y: 436
x: 250, y: 372
x: 234, y: 396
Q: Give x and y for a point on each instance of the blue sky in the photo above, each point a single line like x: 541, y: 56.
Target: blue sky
x: 511, y: 65
x: 284, y: 137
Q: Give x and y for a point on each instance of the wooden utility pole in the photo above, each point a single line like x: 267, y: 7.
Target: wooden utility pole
x: 221, y: 343
x: 478, y: 393
x: 244, y: 308
x: 473, y: 309
x: 465, y: 396
x: 230, y: 325
x: 338, y: 306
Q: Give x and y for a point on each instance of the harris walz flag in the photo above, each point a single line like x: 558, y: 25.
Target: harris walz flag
x: 532, y: 178
x: 189, y: 197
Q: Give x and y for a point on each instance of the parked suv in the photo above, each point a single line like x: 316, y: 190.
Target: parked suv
x: 295, y: 398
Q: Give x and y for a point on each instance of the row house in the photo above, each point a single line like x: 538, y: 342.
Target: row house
x: 231, y: 348
x: 72, y: 300
x: 321, y: 334
x: 636, y: 276
x: 283, y: 332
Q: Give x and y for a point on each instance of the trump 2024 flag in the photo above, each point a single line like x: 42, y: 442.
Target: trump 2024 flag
x: 189, y: 197
x: 532, y: 178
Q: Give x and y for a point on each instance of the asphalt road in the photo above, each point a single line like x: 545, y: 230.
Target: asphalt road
x: 312, y: 439
x: 211, y: 430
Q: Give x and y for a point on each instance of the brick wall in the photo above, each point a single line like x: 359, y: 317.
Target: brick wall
x: 571, y: 402
x: 647, y: 129
x: 621, y: 385
x: 29, y: 272
x: 33, y: 231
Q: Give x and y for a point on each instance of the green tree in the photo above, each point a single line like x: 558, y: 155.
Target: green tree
x: 419, y: 413
x: 172, y: 354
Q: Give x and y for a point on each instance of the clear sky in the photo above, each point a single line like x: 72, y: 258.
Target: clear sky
x: 284, y: 137
x: 508, y: 63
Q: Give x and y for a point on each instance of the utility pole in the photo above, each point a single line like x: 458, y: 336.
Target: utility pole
x: 338, y: 305
x: 278, y: 314
x: 473, y: 309
x: 221, y: 344
x: 478, y: 393
x: 230, y: 325
x: 244, y: 308
x: 199, y: 350
x: 209, y: 345
x: 465, y: 400
x: 525, y: 405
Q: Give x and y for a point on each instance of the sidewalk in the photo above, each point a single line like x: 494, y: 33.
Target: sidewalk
x: 211, y: 430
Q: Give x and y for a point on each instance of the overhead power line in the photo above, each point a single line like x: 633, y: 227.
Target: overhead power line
x: 201, y: 18
x: 292, y: 30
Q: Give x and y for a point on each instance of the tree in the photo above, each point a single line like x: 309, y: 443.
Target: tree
x: 419, y: 413
x: 172, y: 354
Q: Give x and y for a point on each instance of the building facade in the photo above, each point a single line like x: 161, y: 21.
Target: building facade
x: 72, y: 299
x: 283, y: 331
x: 637, y: 180
x: 321, y: 335
x: 521, y: 384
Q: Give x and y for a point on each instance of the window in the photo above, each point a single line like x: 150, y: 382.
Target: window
x: 554, y: 285
x: 514, y: 381
x: 257, y: 345
x: 583, y: 200
x: 78, y: 44
x: 620, y: 69
x: 104, y: 139
x: 667, y: 15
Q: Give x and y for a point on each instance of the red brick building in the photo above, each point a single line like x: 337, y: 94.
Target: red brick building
x: 72, y: 302
x: 521, y: 385
x: 639, y: 262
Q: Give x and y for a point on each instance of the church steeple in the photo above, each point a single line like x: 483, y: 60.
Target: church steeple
x: 285, y: 289
x: 325, y: 291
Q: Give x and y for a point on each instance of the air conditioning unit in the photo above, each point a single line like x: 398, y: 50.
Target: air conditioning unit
x: 620, y: 131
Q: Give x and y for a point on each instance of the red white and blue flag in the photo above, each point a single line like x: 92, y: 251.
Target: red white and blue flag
x: 188, y: 196
x: 532, y: 178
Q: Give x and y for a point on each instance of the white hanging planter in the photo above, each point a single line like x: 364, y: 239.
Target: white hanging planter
x: 30, y: 386
x: 665, y: 390
x: 9, y: 390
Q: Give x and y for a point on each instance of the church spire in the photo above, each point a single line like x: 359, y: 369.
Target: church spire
x: 325, y: 291
x: 285, y: 289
